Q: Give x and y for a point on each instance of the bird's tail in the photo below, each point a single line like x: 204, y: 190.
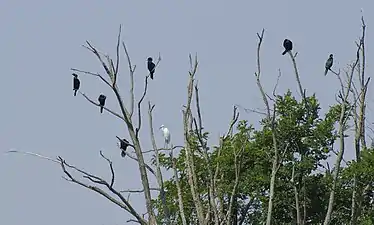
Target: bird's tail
x: 152, y: 75
x: 285, y: 51
x: 326, y: 70
x: 75, y: 92
x: 101, y: 109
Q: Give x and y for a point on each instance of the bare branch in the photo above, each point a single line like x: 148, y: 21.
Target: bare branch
x: 124, y: 204
x: 359, y: 119
x: 159, y: 177
x: 296, y: 193
x: 164, y: 149
x: 33, y: 154
x: 93, y: 74
x: 302, y: 91
x: 132, y: 71
x: 98, y: 105
x: 233, y: 121
x: 271, y: 120
x: 198, y: 130
x: 342, y: 124
x: 258, y: 74
x: 187, y: 120
x: 111, y: 168
x: 248, y: 110
x: 139, y: 191
x: 237, y: 165
x: 139, y: 107
x: 179, y: 190
x: 276, y: 84
x: 93, y: 50
x: 235, y: 118
x: 117, y: 58
x: 145, y: 164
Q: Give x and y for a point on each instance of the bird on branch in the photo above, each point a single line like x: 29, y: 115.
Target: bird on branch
x: 287, y: 44
x: 76, y: 83
x: 151, y: 66
x: 123, y: 144
x: 166, y: 134
x: 329, y: 63
x: 101, y: 100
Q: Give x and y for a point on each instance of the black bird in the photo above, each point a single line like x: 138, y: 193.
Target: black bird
x: 76, y: 83
x: 151, y: 66
x: 123, y: 145
x: 287, y: 44
x: 329, y: 63
x: 102, y: 99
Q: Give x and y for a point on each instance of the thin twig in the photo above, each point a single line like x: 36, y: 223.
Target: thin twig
x: 111, y: 168
x: 92, y: 74
x: 118, y: 56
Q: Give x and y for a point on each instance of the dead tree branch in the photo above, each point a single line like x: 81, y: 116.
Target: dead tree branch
x: 237, y: 165
x: 111, y: 168
x: 233, y: 121
x: 179, y: 190
x: 139, y: 191
x: 98, y: 105
x: 117, y: 58
x: 139, y: 107
x: 117, y: 199
x: 131, y: 71
x: 187, y: 119
x: 132, y: 131
x: 342, y: 125
x: 302, y: 91
x: 359, y: 120
x: 92, y: 74
x: 198, y: 130
x: 159, y: 177
x: 271, y: 120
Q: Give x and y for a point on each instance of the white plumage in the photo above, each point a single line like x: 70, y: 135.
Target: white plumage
x: 166, y: 134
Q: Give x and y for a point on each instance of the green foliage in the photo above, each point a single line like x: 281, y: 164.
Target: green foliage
x: 304, y: 140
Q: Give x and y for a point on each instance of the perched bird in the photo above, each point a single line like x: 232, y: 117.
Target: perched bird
x: 151, y: 66
x: 76, y: 83
x: 102, y: 99
x: 329, y: 63
x: 287, y: 44
x: 166, y: 134
x: 123, y: 144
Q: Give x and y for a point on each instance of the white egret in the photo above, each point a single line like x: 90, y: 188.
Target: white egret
x: 166, y: 133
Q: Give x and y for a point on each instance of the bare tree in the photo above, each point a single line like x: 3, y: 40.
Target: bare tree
x: 271, y: 120
x: 359, y: 112
x: 96, y: 183
x: 345, y: 110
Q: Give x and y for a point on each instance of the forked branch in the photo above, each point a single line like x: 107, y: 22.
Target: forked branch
x: 113, y: 195
x: 271, y: 120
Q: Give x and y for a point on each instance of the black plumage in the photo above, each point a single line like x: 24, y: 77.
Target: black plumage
x: 102, y: 99
x: 329, y: 63
x: 287, y: 44
x: 76, y: 83
x: 151, y: 66
x: 123, y: 145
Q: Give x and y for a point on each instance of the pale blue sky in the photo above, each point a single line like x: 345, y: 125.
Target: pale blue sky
x: 41, y: 40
